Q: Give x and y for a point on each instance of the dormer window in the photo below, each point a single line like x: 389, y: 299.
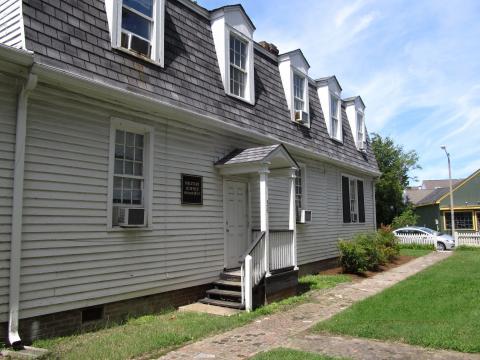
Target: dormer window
x: 233, y: 36
x: 238, y: 66
x: 360, y: 131
x: 137, y: 26
x: 335, y: 117
x: 294, y: 73
x: 329, y: 92
x: 299, y: 92
x: 355, y: 109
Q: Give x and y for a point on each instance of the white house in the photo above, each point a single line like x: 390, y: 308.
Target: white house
x: 148, y: 147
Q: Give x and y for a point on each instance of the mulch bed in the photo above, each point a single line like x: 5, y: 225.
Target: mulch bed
x: 403, y: 259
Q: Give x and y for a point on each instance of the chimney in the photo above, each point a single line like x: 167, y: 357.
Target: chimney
x: 271, y: 48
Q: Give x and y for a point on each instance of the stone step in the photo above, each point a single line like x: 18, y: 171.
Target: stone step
x: 224, y: 293
x: 231, y: 276
x: 223, y: 303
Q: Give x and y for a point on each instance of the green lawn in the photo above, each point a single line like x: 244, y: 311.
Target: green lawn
x: 287, y: 354
x: 157, y: 334
x: 437, y: 308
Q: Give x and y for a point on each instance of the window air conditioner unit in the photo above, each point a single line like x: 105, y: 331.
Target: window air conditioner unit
x: 305, y: 216
x: 131, y: 217
x: 301, y: 117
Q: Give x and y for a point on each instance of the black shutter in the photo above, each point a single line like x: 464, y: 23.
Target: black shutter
x: 361, y: 202
x: 346, y: 199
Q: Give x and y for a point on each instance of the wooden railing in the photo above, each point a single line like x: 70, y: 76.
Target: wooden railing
x: 467, y: 239
x: 281, y: 249
x: 253, y: 268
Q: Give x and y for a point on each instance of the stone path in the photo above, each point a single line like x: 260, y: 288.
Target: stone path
x: 289, y: 328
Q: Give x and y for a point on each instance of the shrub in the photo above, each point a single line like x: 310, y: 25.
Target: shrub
x: 373, y: 250
x: 353, y: 257
x: 406, y: 218
x: 388, y: 244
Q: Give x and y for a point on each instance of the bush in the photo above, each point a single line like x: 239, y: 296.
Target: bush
x: 406, y: 218
x: 353, y: 257
x: 368, y: 251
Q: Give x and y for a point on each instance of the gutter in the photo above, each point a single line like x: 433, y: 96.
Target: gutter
x: 17, y: 211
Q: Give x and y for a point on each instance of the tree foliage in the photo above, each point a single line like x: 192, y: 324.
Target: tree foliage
x: 406, y: 218
x: 395, y: 164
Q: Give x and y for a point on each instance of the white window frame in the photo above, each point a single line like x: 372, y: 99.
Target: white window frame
x: 158, y: 31
x: 338, y: 135
x: 303, y: 184
x: 305, y: 95
x: 357, y: 213
x: 249, y: 86
x: 148, y: 149
x: 360, y: 129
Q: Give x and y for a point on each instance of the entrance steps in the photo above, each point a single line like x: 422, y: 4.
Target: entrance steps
x: 226, y: 292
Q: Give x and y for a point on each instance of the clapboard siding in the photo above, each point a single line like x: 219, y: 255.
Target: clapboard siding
x: 7, y: 153
x: 69, y: 258
x: 11, y: 23
x: 318, y: 239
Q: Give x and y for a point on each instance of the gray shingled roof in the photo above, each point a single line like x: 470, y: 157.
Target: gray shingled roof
x: 414, y: 196
x: 247, y: 155
x: 435, y: 184
x: 74, y: 36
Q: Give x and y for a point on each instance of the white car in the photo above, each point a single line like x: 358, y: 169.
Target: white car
x: 444, y: 241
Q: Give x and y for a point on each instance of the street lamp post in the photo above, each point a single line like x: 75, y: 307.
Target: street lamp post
x: 452, y: 213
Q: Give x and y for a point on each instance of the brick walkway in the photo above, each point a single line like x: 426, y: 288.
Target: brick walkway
x: 288, y: 328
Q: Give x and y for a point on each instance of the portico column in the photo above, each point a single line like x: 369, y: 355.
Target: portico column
x: 292, y: 219
x: 263, y: 173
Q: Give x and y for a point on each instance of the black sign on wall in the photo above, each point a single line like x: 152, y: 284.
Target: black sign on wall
x: 192, y: 189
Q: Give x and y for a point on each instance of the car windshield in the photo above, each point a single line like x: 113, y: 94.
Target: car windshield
x: 430, y: 231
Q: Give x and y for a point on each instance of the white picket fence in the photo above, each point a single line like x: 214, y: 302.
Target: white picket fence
x: 417, y: 239
x: 468, y: 239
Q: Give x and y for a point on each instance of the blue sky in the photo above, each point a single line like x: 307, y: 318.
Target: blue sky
x: 416, y: 65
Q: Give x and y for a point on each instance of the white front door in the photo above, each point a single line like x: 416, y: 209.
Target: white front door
x: 236, y: 222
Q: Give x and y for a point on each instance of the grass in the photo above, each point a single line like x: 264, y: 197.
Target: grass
x: 287, y: 354
x: 414, y: 252
x: 153, y: 335
x: 435, y: 308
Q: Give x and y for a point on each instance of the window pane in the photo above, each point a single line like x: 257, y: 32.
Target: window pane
x: 140, y: 46
x: 143, y: 6
x: 136, y: 197
x: 117, y: 182
x: 136, y: 184
x: 463, y: 220
x: 119, y: 151
x: 139, y: 141
x: 138, y: 154
x: 334, y: 106
x: 120, y: 137
x: 127, y: 197
x: 298, y: 86
x: 118, y: 169
x: 138, y: 169
x: 128, y: 167
x: 130, y: 139
x: 334, y: 127
x: 129, y: 151
x: 117, y: 196
x: 136, y: 24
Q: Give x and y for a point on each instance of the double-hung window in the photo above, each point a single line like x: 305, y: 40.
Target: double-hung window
x: 360, y: 131
x: 138, y: 26
x: 298, y: 192
x: 238, y: 66
x: 334, y: 112
x: 130, y: 176
x: 298, y: 92
x: 353, y: 200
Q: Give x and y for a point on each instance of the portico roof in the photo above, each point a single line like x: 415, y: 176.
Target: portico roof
x: 253, y: 159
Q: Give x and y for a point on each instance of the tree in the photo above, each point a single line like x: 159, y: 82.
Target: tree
x: 395, y: 164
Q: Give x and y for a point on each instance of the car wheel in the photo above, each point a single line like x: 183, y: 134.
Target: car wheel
x: 441, y: 246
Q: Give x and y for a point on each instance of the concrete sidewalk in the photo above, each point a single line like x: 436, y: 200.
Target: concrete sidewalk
x: 288, y: 328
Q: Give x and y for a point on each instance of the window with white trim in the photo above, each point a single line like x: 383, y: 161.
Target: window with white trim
x: 353, y: 199
x: 131, y: 173
x: 139, y: 27
x: 300, y: 191
x: 298, y: 92
x: 335, y: 117
x: 238, y: 65
x: 360, y: 131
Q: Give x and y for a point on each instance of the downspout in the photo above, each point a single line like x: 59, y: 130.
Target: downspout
x: 17, y: 210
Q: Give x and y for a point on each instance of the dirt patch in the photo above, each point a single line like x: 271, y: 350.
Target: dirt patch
x: 402, y: 259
